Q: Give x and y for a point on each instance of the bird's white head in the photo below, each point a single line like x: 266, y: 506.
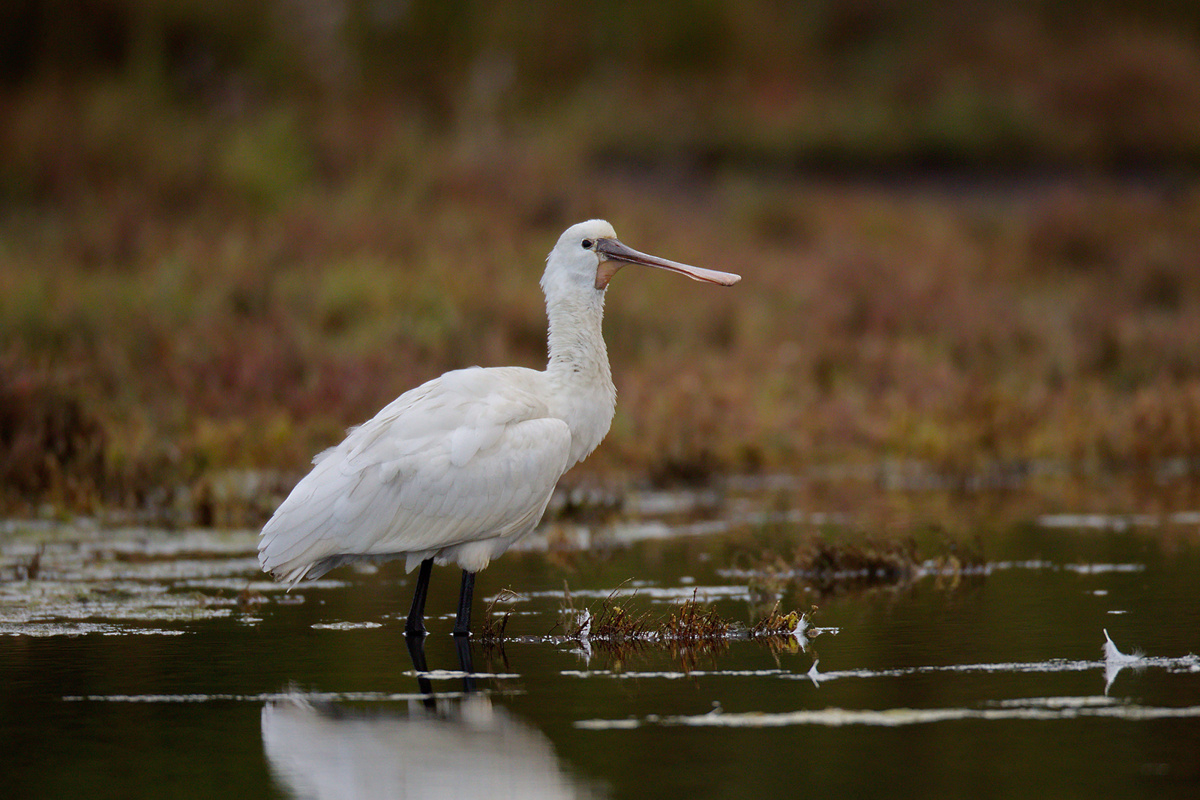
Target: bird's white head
x: 588, y: 254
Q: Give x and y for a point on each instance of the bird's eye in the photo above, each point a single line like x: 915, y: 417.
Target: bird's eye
x: 587, y: 244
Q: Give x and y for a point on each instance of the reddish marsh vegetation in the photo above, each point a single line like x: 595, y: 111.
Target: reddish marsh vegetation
x: 963, y: 333
x: 206, y: 274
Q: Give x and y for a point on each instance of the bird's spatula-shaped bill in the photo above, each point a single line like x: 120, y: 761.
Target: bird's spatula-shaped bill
x: 615, y: 255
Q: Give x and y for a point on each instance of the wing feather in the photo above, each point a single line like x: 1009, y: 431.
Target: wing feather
x: 470, y: 456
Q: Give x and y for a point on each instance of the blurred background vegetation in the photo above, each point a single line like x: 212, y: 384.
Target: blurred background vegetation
x: 969, y: 235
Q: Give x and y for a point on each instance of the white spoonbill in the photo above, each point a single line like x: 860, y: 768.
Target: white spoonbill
x: 459, y: 468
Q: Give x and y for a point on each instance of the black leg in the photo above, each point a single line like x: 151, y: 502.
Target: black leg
x: 462, y: 625
x: 463, y: 645
x: 416, y: 617
x: 416, y: 651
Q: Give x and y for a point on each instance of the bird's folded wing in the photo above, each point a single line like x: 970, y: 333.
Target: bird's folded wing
x: 464, y: 457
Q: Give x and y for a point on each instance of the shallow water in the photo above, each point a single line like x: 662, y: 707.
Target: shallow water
x: 148, y: 664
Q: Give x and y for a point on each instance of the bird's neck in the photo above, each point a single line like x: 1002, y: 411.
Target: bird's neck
x: 576, y: 341
x: 578, y: 369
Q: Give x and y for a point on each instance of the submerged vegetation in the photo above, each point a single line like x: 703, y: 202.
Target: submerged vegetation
x: 968, y: 240
x: 829, y: 566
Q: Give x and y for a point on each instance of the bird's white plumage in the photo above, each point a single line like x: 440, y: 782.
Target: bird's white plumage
x: 467, y: 747
x: 460, y: 467
x: 469, y: 458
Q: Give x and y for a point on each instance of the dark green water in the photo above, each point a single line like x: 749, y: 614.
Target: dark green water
x: 131, y: 670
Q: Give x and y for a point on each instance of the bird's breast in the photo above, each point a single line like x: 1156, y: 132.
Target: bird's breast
x: 588, y: 411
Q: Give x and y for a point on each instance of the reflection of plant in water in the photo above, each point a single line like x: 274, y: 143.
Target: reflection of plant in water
x: 690, y: 654
x: 692, y: 630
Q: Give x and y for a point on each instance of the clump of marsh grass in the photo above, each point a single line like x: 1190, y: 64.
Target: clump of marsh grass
x: 29, y: 570
x: 777, y: 624
x: 491, y: 631
x: 610, y: 623
x: 832, y: 565
x: 691, y: 624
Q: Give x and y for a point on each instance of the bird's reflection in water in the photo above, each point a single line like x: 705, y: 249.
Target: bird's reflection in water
x: 453, y: 746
